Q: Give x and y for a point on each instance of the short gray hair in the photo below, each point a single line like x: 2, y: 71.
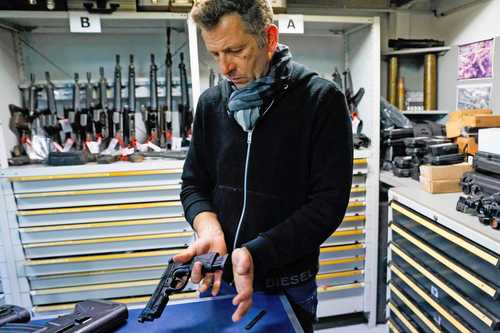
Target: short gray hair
x: 255, y: 14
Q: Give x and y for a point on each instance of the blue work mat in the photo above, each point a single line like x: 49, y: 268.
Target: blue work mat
x: 213, y: 315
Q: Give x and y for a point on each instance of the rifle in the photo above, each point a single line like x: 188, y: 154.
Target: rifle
x: 115, y: 117
x: 129, y: 111
x: 101, y: 111
x: 75, y: 115
x: 50, y: 115
x: 184, y: 107
x: 337, y: 78
x: 87, y: 130
x: 21, y: 119
x: 152, y: 114
x: 166, y: 115
x: 175, y: 278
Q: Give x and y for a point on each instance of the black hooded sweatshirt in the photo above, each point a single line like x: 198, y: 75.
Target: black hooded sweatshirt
x: 299, y: 174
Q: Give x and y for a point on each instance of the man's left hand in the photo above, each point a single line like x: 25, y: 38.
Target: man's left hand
x: 243, y: 280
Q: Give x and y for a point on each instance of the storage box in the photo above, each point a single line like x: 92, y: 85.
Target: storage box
x: 467, y: 145
x: 482, y: 121
x: 441, y: 186
x: 456, y: 120
x: 444, y: 172
x: 489, y: 140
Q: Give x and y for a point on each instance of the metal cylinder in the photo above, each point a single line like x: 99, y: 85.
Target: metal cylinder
x: 392, y: 81
x: 430, y: 82
x: 401, y: 95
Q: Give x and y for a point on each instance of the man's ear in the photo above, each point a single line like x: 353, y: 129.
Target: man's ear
x: 272, y: 39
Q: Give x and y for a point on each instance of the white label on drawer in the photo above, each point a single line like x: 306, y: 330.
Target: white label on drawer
x: 434, y: 292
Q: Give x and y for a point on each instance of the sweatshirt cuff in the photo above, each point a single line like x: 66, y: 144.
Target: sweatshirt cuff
x: 264, y: 255
x: 195, y: 209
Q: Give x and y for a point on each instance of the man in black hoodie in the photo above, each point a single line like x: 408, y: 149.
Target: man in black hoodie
x: 268, y: 174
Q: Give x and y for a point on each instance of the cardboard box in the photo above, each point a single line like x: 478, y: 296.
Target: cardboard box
x: 456, y: 120
x: 482, y: 121
x: 459, y: 114
x: 467, y: 145
x: 444, y: 172
x: 489, y: 140
x: 441, y: 186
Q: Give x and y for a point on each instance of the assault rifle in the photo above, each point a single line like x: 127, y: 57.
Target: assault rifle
x: 50, y: 115
x: 184, y: 107
x: 129, y: 110
x: 166, y: 114
x: 100, y: 115
x: 115, y: 118
x: 152, y: 112
x: 175, y: 278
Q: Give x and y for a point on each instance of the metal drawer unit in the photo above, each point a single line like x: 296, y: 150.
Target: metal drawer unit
x: 97, y: 234
x: 446, y: 279
x: 341, y: 278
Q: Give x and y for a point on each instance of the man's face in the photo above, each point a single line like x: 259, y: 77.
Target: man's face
x: 236, y: 51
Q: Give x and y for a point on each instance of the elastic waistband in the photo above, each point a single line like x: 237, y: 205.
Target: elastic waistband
x: 284, y: 281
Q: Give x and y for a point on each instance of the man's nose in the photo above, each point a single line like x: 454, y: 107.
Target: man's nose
x: 226, y: 66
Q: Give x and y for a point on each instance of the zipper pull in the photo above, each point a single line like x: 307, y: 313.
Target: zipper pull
x: 249, y: 137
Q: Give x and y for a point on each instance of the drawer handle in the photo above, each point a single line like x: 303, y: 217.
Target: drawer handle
x: 110, y: 239
x: 104, y: 224
x: 342, y: 274
x: 99, y: 191
x: 331, y: 262
x: 96, y: 175
x: 328, y: 289
x: 97, y: 208
x: 341, y: 248
x: 37, y: 262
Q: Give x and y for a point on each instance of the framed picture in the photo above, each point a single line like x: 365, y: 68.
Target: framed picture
x: 477, y: 96
x: 475, y: 60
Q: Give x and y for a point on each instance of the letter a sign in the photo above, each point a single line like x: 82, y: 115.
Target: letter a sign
x: 291, y: 24
x: 84, y: 22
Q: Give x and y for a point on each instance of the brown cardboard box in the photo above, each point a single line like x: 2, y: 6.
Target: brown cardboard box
x: 456, y: 118
x: 482, y: 121
x: 467, y: 145
x: 441, y: 186
x: 444, y: 172
x: 459, y: 114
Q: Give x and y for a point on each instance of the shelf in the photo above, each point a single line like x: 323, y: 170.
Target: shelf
x: 388, y: 178
x: 425, y: 113
x: 119, y: 22
x: 413, y: 52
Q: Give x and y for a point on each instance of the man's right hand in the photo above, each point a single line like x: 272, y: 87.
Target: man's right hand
x: 210, y: 239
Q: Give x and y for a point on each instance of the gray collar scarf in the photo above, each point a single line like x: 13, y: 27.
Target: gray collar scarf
x: 245, y: 104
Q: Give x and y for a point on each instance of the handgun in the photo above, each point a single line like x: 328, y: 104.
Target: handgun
x: 174, y: 279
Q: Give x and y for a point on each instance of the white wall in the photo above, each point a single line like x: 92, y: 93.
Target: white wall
x: 472, y: 24
x: 9, y: 93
